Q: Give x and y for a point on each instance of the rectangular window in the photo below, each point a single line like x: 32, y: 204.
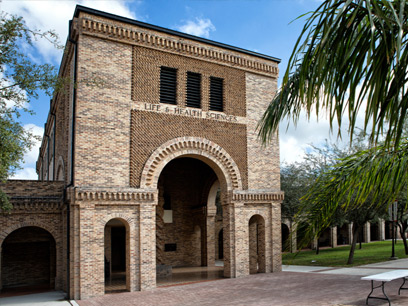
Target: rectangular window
x: 193, y: 90
x: 216, y: 94
x: 168, y: 85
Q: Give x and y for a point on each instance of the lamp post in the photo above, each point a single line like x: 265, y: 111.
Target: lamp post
x: 392, y: 211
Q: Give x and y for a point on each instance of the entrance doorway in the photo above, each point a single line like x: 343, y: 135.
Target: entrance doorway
x: 116, y: 261
x: 286, y: 246
x: 28, y: 260
x: 257, y: 244
x: 185, y: 234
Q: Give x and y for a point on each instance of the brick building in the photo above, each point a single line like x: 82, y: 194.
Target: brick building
x: 155, y: 165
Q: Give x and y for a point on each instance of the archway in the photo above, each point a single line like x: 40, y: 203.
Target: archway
x: 325, y: 238
x: 285, y: 238
x: 28, y: 260
x: 256, y: 244
x: 116, y: 256
x: 374, y: 231
x: 388, y: 230
x: 343, y: 234
x: 301, y: 243
x: 182, y: 226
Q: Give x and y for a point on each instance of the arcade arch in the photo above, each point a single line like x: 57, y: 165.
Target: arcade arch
x: 28, y: 259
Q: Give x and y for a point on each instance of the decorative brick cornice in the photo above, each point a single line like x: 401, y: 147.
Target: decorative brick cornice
x: 36, y: 206
x: 257, y: 197
x: 193, y: 146
x: 177, y: 46
x: 112, y: 195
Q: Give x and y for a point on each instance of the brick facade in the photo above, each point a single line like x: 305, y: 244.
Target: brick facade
x: 166, y: 180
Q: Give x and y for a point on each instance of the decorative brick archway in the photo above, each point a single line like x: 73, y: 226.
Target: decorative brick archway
x: 22, y: 266
x: 203, y: 149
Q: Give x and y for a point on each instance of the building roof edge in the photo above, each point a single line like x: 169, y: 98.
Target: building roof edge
x: 80, y: 8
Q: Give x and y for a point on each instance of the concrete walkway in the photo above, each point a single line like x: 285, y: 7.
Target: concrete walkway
x: 364, y: 270
x: 51, y: 298
x: 296, y: 285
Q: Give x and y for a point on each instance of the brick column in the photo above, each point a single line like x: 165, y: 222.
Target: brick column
x: 91, y: 257
x: 333, y: 236
x: 229, y: 240
x: 253, y: 243
x: 210, y: 238
x: 366, y: 232
x: 147, y: 247
x: 381, y: 228
x: 276, y: 237
x: 293, y: 237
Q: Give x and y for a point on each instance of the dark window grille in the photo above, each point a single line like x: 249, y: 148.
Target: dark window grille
x: 193, y: 90
x: 168, y: 85
x: 216, y: 94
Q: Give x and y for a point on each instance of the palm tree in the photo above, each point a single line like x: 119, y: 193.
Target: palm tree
x: 351, y: 54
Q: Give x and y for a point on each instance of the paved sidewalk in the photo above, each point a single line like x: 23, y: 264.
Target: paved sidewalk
x: 364, y: 270
x: 283, y: 289
x: 296, y: 285
x: 51, y: 298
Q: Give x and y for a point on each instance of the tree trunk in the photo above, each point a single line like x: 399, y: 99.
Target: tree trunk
x: 356, y: 232
x: 361, y: 237
x: 402, y: 229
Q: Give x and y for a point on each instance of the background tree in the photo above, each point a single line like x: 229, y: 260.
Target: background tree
x: 20, y: 80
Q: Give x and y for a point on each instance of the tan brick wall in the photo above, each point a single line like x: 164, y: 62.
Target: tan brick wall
x: 146, y: 79
x: 263, y: 162
x: 103, y: 114
x: 230, y: 136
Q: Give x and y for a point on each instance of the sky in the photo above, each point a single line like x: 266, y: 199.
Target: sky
x: 269, y: 27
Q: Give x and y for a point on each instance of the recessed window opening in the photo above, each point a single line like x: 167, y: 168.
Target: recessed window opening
x: 216, y: 94
x: 168, y: 85
x: 193, y: 90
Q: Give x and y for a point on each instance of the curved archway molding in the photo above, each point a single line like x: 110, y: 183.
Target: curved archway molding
x: 14, y: 227
x: 211, y: 153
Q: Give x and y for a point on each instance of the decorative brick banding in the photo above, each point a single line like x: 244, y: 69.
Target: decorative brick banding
x: 191, y: 146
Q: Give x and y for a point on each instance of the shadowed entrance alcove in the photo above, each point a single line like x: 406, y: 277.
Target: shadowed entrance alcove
x: 185, y: 225
x: 28, y: 259
x: 116, y: 256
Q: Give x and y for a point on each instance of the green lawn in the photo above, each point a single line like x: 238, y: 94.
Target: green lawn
x: 337, y: 257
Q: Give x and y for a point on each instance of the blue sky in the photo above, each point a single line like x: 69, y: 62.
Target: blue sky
x: 264, y: 26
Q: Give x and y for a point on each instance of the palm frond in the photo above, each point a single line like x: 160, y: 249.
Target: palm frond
x: 350, y: 53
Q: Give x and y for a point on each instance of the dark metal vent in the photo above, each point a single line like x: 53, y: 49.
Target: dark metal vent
x: 193, y: 90
x: 168, y: 85
x: 216, y: 94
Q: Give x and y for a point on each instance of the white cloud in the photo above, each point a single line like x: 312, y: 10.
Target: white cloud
x: 55, y: 15
x: 296, y: 139
x: 27, y: 173
x: 30, y: 158
x: 198, y: 27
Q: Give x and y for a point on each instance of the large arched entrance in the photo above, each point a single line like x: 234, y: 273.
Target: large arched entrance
x: 185, y: 225
x: 116, y: 256
x: 28, y: 260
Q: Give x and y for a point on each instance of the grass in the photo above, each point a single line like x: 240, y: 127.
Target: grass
x: 337, y: 257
